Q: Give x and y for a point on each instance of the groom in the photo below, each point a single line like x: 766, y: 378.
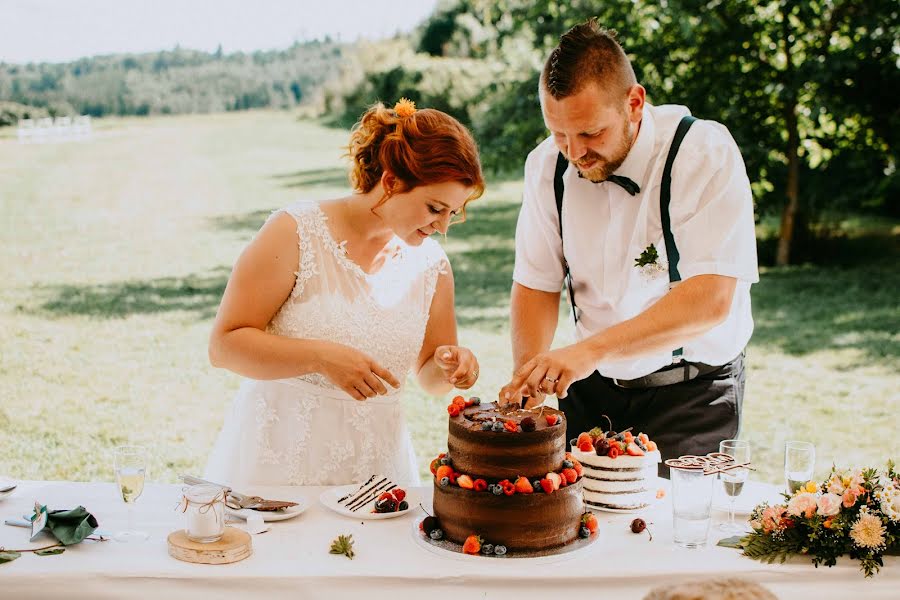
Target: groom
x: 645, y: 217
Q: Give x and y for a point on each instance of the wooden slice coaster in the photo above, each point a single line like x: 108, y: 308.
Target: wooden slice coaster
x: 235, y: 545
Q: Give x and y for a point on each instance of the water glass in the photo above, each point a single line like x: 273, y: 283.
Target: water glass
x: 691, y: 504
x: 799, y: 464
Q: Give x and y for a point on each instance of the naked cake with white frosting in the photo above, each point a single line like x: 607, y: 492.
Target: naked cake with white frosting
x: 620, y: 469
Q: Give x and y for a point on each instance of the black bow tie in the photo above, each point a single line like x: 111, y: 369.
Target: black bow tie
x: 624, y: 182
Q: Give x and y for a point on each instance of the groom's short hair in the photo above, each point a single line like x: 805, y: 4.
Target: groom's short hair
x: 587, y: 53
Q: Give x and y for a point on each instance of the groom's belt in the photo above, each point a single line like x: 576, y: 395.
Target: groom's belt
x: 669, y: 375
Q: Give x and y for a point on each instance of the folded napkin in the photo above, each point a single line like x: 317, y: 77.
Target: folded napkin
x: 69, y: 526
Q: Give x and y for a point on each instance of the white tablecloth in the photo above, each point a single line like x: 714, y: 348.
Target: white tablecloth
x: 291, y: 560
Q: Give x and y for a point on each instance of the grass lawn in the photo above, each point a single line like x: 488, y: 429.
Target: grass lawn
x: 115, y: 253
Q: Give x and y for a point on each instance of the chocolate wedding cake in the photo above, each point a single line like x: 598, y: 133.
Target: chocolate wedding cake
x: 507, y: 478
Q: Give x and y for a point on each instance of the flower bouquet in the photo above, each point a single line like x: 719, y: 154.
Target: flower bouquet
x: 852, y: 512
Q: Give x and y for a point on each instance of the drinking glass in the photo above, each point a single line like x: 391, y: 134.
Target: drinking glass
x: 691, y: 502
x: 799, y: 463
x: 733, y: 480
x: 131, y: 469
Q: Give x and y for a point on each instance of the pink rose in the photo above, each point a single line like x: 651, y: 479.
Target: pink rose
x: 829, y: 504
x: 850, y: 497
x: 802, y: 504
x: 771, y: 518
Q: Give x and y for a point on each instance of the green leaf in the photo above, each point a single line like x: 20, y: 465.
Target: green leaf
x: 49, y: 551
x: 731, y: 542
x: 648, y: 257
x: 343, y: 545
x: 6, y: 557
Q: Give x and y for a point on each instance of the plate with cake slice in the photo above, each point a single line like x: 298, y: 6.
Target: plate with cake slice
x: 377, y: 498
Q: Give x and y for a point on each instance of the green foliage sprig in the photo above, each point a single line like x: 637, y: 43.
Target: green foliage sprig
x: 343, y: 544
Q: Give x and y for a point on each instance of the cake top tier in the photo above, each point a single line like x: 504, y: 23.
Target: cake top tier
x: 478, y: 417
x: 506, y: 441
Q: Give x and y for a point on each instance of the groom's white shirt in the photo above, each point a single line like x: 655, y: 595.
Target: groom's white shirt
x: 606, y: 229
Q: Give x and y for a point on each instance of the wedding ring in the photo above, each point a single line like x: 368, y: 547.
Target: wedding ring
x: 550, y: 380
x: 475, y: 374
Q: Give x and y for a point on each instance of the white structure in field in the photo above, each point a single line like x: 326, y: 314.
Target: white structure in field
x: 60, y: 129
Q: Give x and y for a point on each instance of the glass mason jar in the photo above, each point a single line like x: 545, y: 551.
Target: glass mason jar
x: 204, y: 513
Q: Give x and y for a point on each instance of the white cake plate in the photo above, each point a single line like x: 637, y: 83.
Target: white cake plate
x: 452, y: 550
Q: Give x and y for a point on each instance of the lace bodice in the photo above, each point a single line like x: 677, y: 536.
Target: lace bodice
x: 304, y: 430
x: 382, y: 314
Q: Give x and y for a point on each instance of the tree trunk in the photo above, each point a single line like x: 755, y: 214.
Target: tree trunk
x: 792, y: 193
x: 792, y: 205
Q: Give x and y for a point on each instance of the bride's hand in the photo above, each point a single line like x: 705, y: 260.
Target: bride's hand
x: 459, y: 365
x: 355, y: 372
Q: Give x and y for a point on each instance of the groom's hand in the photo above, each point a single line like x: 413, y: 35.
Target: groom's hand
x: 519, y: 397
x: 552, y: 372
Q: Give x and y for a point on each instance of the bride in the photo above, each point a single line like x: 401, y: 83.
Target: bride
x: 332, y: 303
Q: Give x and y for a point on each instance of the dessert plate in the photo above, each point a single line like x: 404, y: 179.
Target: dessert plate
x: 7, y: 487
x: 272, y: 515
x: 330, y: 498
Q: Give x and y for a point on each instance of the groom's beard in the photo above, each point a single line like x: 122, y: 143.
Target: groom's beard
x: 604, y: 167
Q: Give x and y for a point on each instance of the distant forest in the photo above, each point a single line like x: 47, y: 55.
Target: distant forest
x: 168, y: 82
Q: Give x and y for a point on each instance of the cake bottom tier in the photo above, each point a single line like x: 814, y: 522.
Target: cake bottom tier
x: 519, y: 522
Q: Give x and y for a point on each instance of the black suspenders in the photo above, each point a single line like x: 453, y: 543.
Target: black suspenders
x: 665, y: 198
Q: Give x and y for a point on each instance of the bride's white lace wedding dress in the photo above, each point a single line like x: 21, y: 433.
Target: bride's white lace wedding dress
x: 304, y: 430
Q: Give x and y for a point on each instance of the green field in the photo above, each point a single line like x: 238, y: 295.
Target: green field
x: 115, y: 252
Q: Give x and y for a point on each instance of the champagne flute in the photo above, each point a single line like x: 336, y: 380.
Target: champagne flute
x: 733, y: 480
x: 131, y: 469
x: 799, y: 463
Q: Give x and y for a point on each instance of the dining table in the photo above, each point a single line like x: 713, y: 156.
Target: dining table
x: 392, y: 558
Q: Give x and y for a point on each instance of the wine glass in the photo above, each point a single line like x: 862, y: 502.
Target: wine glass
x: 733, y: 480
x: 131, y: 468
x: 799, y: 462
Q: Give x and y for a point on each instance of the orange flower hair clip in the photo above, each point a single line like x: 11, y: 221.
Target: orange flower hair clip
x: 405, y: 108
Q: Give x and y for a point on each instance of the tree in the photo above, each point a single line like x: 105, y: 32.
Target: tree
x: 801, y: 86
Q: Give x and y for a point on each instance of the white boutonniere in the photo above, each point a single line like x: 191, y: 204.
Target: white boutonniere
x: 649, y: 263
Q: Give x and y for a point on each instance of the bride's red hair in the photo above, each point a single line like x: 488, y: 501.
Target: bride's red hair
x: 426, y: 147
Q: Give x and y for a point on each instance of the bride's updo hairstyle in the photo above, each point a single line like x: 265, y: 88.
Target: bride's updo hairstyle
x: 420, y: 147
